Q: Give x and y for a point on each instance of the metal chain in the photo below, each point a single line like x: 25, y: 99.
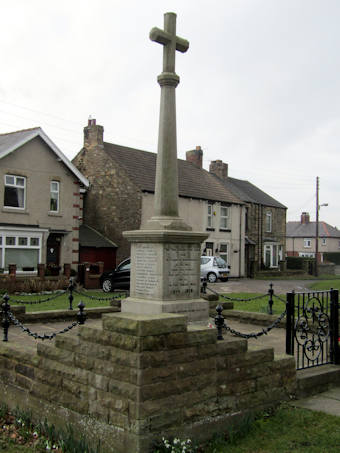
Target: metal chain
x: 264, y: 331
x: 280, y: 298
x: 238, y: 300
x: 40, y: 301
x: 80, y: 293
x: 37, y: 336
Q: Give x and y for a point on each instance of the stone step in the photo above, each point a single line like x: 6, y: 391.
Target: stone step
x: 312, y: 381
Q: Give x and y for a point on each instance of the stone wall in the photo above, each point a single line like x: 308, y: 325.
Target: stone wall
x: 257, y: 229
x: 141, y: 377
x: 113, y: 203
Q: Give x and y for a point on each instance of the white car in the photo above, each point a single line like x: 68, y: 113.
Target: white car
x: 214, y: 268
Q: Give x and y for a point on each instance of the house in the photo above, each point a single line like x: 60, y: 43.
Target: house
x: 41, y: 194
x: 301, y: 238
x: 121, y: 197
x: 265, y: 221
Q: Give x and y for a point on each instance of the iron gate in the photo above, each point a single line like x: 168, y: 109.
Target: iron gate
x: 312, y: 332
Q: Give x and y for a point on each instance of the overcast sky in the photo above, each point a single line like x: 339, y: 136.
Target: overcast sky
x: 260, y: 84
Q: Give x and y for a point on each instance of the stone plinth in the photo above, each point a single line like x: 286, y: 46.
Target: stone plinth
x: 165, y: 274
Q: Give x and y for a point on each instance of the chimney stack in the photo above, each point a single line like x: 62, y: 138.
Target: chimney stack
x: 93, y: 134
x: 219, y: 169
x: 195, y: 157
x: 305, y: 218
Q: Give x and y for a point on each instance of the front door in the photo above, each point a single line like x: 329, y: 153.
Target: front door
x: 53, y: 249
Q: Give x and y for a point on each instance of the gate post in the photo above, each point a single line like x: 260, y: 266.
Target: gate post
x: 335, y: 350
x: 290, y: 323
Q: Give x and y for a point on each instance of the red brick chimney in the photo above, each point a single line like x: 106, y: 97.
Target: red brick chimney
x: 195, y: 157
x: 219, y: 169
x: 305, y: 218
x: 93, y: 134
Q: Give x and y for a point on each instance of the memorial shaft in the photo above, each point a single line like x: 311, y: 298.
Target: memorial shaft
x: 166, y: 184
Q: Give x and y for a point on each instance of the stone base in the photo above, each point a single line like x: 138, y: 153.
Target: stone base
x: 196, y: 310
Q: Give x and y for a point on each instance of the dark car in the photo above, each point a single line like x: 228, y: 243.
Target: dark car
x: 117, y: 279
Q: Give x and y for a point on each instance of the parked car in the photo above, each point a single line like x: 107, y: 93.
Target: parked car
x: 214, y: 268
x: 118, y: 278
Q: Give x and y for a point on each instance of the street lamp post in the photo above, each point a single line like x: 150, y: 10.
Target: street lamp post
x: 318, y: 206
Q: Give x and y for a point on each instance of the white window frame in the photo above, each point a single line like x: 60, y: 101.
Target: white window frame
x: 4, y: 233
x: 58, y: 195
x: 307, y: 243
x: 323, y: 241
x: 270, y: 247
x: 210, y: 216
x: 16, y: 186
x: 224, y: 217
x: 269, y: 220
x: 224, y: 255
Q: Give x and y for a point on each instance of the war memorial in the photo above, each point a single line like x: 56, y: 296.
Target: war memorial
x: 154, y: 369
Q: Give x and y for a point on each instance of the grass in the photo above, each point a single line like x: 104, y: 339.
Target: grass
x: 257, y: 305
x: 288, y: 430
x: 62, y: 301
x: 326, y: 285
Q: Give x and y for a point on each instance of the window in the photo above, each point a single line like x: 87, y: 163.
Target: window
x: 224, y: 215
x: 224, y: 252
x: 339, y: 244
x: 268, y: 222
x: 210, y: 216
x: 307, y: 243
x: 270, y: 257
x: 14, y: 191
x: 54, y: 196
x: 24, y: 251
x: 209, y: 248
x: 323, y: 241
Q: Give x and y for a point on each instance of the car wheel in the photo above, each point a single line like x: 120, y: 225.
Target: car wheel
x: 225, y: 279
x: 211, y: 277
x: 107, y: 285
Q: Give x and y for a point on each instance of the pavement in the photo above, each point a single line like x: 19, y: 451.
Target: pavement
x: 249, y: 285
x: 327, y: 402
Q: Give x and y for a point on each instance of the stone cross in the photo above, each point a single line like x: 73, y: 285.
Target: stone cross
x: 170, y: 41
x: 166, y: 184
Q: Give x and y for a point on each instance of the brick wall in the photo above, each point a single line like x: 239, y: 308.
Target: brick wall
x: 138, y: 378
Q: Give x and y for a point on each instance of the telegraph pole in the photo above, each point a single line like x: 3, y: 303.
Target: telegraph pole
x: 317, y: 228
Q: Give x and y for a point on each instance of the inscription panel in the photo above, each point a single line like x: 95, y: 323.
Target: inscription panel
x: 147, y: 272
x: 182, y: 264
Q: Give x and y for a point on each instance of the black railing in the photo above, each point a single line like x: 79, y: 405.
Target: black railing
x: 312, y: 332
x: 8, y: 318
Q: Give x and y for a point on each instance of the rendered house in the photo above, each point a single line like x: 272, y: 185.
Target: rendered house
x: 265, y: 225
x: 121, y: 197
x: 41, y: 195
x: 301, y: 238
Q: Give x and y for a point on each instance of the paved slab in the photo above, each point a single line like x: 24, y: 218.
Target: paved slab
x: 328, y: 402
x: 260, y: 286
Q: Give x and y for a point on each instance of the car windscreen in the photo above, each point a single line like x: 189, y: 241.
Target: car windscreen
x: 220, y: 262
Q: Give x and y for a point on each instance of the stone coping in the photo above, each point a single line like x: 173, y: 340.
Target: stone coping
x: 248, y: 317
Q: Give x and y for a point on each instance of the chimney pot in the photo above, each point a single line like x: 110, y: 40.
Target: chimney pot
x: 219, y: 169
x: 93, y: 134
x: 195, y: 157
x: 305, y: 218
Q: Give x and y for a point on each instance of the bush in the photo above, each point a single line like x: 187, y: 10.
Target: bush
x: 332, y: 257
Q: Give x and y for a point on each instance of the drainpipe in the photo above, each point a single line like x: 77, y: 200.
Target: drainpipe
x: 240, y: 249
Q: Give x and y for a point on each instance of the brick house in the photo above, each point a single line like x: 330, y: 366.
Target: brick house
x: 41, y: 202
x: 301, y: 236
x: 121, y: 197
x: 265, y: 221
